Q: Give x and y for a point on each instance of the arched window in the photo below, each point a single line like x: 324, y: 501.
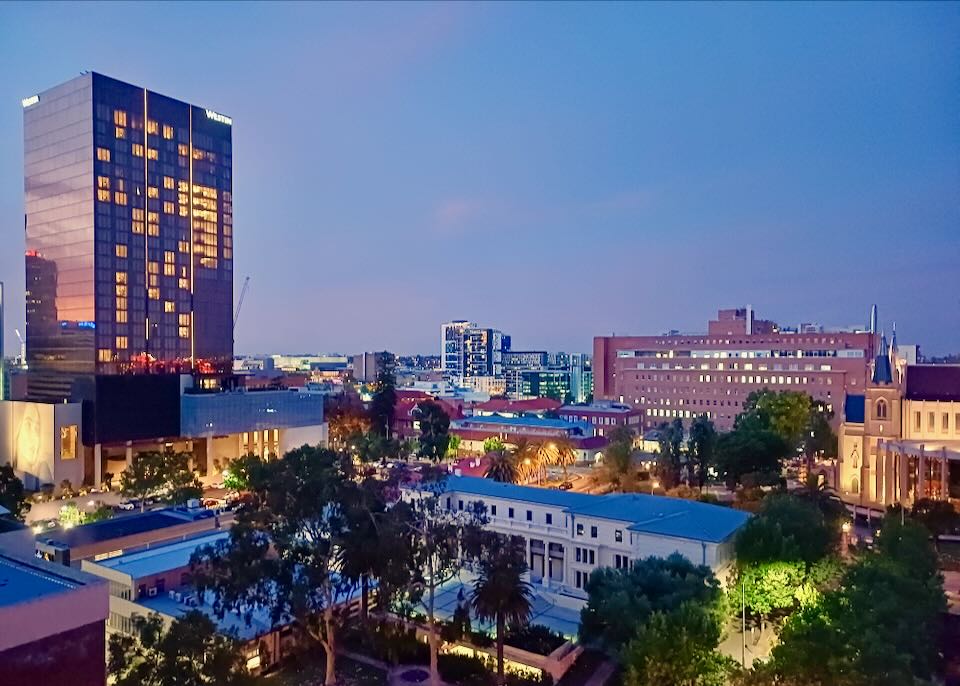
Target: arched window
x: 881, y: 412
x: 855, y: 485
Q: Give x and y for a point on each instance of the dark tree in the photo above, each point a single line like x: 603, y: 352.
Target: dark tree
x: 671, y: 453
x: 938, y: 516
x: 503, y: 467
x: 500, y: 593
x: 190, y: 653
x: 619, y: 600
x: 434, y: 430
x: 787, y: 529
x: 12, y: 495
x: 701, y: 449
x: 284, y: 551
x: 749, y: 450
x: 384, y: 402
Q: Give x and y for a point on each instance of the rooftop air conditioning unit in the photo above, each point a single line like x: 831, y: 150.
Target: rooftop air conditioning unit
x: 152, y: 592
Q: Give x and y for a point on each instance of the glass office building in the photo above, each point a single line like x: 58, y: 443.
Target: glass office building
x: 129, y: 236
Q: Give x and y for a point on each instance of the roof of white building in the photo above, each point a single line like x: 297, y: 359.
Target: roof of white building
x: 650, y: 514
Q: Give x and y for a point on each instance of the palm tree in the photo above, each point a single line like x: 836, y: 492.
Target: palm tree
x: 527, y: 456
x: 561, y: 451
x: 500, y: 594
x: 503, y: 467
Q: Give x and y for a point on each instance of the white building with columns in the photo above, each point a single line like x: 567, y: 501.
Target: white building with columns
x: 568, y: 535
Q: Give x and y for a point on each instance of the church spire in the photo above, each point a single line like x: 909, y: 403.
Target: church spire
x: 882, y: 367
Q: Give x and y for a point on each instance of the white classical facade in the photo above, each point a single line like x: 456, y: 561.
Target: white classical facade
x: 568, y: 535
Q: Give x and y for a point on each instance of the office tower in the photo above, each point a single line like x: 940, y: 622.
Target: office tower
x: 581, y: 377
x: 129, y: 231
x: 687, y: 375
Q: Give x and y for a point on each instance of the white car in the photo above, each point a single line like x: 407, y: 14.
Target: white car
x: 126, y: 505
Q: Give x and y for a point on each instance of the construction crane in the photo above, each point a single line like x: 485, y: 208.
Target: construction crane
x: 243, y: 292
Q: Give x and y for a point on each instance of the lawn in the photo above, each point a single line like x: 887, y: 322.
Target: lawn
x: 308, y: 670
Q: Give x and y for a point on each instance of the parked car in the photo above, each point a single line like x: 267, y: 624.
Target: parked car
x: 565, y: 486
x: 127, y: 505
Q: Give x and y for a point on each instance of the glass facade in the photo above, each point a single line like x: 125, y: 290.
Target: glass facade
x: 129, y: 226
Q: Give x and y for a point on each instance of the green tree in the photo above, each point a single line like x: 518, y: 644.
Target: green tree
x: 453, y: 446
x: 503, y: 467
x: 880, y: 627
x: 677, y: 648
x: 671, y: 453
x: 785, y: 413
x: 434, y: 430
x: 237, y: 475
x: 284, y: 551
x: 12, y: 495
x: 748, y: 450
x: 818, y: 436
x: 619, y: 600
x: 384, y: 402
x: 492, y: 444
x: 787, y: 528
x: 938, y: 516
x: 618, y: 469
x: 499, y: 593
x: 145, y: 477
x: 772, y: 587
x: 190, y: 653
x: 180, y: 482
x: 701, y: 449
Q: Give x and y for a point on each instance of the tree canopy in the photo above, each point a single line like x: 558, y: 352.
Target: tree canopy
x: 190, y: 653
x: 787, y: 529
x: 12, y: 494
x: 164, y: 475
x: 434, y: 430
x: 621, y: 599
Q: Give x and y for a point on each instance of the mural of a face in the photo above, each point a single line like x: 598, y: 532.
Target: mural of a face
x: 30, y: 457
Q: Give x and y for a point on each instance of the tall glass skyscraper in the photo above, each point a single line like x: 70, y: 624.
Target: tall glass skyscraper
x: 129, y: 236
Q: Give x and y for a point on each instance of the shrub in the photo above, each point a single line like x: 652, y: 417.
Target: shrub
x: 534, y: 638
x: 464, y: 670
x: 481, y: 639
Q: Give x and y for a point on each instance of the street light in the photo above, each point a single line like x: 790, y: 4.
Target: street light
x: 654, y: 485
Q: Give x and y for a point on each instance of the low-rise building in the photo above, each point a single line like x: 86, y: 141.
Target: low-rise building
x: 506, y: 407
x: 113, y: 537
x: 51, y: 624
x: 473, y: 431
x: 568, y: 534
x: 604, y: 416
x: 158, y: 581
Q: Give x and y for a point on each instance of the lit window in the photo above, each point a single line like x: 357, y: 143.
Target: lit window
x: 68, y: 442
x: 182, y: 150
x: 153, y: 192
x: 169, y: 270
x: 121, y: 343
x: 121, y: 133
x: 168, y: 182
x: 183, y: 212
x: 153, y: 230
x: 183, y: 319
x: 184, y: 331
x: 103, y: 182
x: 119, y: 117
x: 120, y: 198
x: 153, y: 267
x: 121, y: 290
x: 167, y: 131
x: 121, y: 250
x: 121, y: 316
x: 103, y: 195
x: 183, y: 246
x: 151, y: 153
x: 137, y: 227
x: 168, y: 306
x: 121, y: 303
x: 153, y: 279
x: 137, y: 150
x: 153, y: 217
x: 152, y: 127
x: 153, y: 293
x: 168, y: 207
x: 104, y: 355
x: 103, y: 154
x: 184, y: 284
x: 121, y: 277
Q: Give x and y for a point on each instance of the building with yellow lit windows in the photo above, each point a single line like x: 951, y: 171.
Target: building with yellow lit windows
x: 129, y: 278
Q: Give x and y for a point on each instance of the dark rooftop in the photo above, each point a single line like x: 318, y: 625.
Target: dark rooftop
x: 853, y: 409
x: 933, y: 382
x: 118, y: 527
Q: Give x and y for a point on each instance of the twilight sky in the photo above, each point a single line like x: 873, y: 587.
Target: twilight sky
x: 558, y: 171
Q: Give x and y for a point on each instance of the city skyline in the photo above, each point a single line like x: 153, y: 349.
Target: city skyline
x: 661, y: 186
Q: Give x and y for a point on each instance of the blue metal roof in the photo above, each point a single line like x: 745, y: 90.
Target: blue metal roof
x: 22, y: 581
x: 161, y: 558
x: 854, y: 409
x: 526, y: 420
x: 653, y: 514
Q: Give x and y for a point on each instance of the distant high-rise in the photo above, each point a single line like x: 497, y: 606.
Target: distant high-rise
x: 469, y: 351
x: 129, y: 235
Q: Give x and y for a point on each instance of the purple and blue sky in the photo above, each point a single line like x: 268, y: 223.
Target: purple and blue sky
x: 558, y: 171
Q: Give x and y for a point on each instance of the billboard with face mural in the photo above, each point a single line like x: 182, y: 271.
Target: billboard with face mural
x: 27, y: 441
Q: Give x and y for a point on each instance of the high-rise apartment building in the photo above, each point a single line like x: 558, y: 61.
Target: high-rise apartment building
x: 686, y: 375
x: 129, y: 236
x: 469, y: 351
